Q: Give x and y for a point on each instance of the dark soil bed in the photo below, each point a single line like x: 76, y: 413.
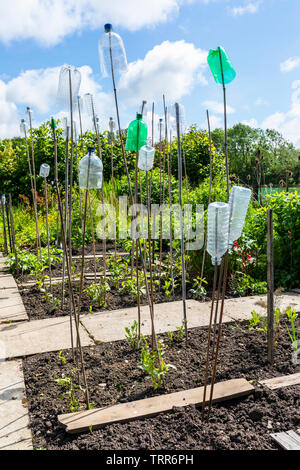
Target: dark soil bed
x: 38, y: 307
x: 113, y: 377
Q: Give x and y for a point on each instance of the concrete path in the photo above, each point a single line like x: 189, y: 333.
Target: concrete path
x: 110, y: 326
x: 14, y: 420
x: 38, y: 336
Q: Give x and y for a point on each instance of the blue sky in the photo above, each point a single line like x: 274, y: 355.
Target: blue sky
x: 166, y: 43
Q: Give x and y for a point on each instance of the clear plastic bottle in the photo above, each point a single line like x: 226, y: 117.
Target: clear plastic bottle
x: 119, y: 60
x: 63, y: 92
x: 44, y: 170
x: 146, y: 158
x: 217, y: 230
x: 23, y: 127
x: 90, y: 171
x: 238, y: 205
x: 136, y: 134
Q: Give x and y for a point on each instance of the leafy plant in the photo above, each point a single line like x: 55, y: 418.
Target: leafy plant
x: 148, y: 363
x: 132, y: 336
x: 97, y: 292
x: 69, y: 388
x: 292, y: 329
x: 198, y: 291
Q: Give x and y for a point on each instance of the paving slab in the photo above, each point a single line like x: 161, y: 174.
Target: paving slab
x: 11, y: 306
x: 240, y: 308
x: 3, y: 266
x: 110, y: 326
x: 7, y: 281
x: 14, y: 420
x: 38, y: 336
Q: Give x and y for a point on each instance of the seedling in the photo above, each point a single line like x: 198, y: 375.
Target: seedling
x: 148, y: 361
x: 69, y: 388
x: 132, y: 336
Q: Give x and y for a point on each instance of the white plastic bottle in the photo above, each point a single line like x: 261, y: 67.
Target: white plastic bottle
x: 238, y: 205
x: 119, y: 60
x: 90, y: 171
x: 217, y: 230
x: 44, y: 170
x: 146, y: 158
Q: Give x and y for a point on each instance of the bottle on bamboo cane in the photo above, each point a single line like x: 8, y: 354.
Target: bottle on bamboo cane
x: 238, y: 205
x: 68, y: 86
x: 44, y: 170
x: 146, y: 158
x: 217, y: 230
x: 90, y: 171
x: 111, y: 42
x: 136, y: 134
x: 220, y: 66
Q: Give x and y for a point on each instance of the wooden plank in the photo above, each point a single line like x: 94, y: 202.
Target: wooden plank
x: 83, y: 420
x: 288, y: 440
x: 283, y: 381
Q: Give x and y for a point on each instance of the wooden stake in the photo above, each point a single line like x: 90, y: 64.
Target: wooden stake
x: 13, y: 238
x: 270, y: 298
x: 181, y: 221
x: 48, y: 237
x: 4, y: 228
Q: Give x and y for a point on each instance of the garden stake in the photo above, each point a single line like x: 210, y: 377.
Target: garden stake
x: 53, y: 125
x: 209, y: 196
x: 160, y: 201
x: 83, y: 237
x: 130, y: 193
x: 112, y: 126
x: 8, y: 229
x: 208, y: 340
x: 47, y: 225
x: 219, y: 334
x: 4, y: 228
x: 82, y: 149
x: 136, y: 245
x: 180, y: 217
x: 225, y: 125
x: 217, y: 306
x: 38, y: 241
x: 170, y: 193
x: 65, y: 252
x: 270, y: 276
x: 71, y: 165
x: 13, y: 238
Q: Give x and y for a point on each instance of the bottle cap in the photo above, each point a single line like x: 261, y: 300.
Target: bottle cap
x: 107, y: 27
x: 91, y: 149
x: 139, y: 116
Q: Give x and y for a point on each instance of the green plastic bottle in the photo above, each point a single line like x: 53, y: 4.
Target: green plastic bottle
x: 214, y: 59
x: 136, y: 134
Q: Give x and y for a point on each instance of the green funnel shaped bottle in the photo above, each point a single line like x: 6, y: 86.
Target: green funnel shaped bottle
x: 219, y: 62
x: 136, y: 134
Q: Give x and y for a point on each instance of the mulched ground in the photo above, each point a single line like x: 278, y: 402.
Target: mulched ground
x: 39, y: 308
x: 240, y: 424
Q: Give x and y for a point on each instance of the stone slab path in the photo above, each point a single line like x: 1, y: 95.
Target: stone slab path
x: 38, y: 336
x: 14, y: 420
x: 110, y: 326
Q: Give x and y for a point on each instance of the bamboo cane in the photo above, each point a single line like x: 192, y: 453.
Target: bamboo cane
x: 181, y: 221
x: 13, y: 238
x: 48, y: 237
x: 4, y: 228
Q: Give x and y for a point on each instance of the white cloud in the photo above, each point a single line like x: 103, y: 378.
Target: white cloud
x: 157, y: 74
x: 251, y: 7
x: 171, y: 68
x: 217, y: 108
x: 287, y: 123
x: 290, y: 64
x: 49, y: 21
x: 251, y: 122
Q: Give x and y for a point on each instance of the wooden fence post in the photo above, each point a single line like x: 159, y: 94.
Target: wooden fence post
x: 270, y: 278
